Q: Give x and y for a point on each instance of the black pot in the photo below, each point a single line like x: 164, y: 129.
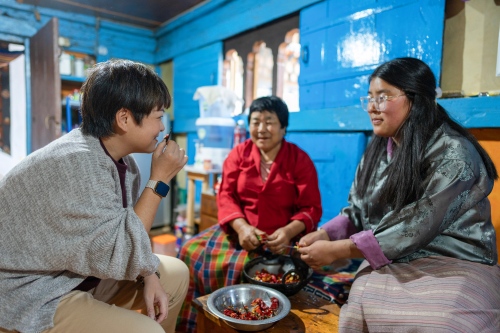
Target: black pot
x: 279, y: 264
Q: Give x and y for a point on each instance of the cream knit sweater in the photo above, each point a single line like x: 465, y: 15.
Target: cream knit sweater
x: 61, y: 220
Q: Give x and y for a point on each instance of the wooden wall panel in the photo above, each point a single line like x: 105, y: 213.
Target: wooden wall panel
x: 490, y: 141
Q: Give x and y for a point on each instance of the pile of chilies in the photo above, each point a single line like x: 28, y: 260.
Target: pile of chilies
x: 259, y: 310
x: 264, y: 276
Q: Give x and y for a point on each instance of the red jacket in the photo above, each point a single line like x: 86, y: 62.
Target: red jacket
x: 290, y: 193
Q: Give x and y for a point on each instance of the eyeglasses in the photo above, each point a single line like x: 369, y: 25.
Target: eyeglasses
x: 380, y: 102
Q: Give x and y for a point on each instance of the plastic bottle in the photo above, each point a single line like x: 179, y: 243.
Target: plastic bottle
x: 236, y: 137
x: 240, y: 133
x: 65, y: 64
x: 79, y: 67
x: 217, y: 184
x: 197, y: 156
x: 243, y: 131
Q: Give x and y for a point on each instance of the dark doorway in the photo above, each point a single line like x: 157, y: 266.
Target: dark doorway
x: 8, y: 53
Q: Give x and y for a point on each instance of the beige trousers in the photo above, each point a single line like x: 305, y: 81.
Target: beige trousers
x: 118, y: 306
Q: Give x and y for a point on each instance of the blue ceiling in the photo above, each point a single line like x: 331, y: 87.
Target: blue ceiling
x: 145, y: 13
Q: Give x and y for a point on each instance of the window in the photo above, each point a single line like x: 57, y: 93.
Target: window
x: 262, y: 70
x: 287, y: 86
x: 233, y: 77
x: 262, y: 51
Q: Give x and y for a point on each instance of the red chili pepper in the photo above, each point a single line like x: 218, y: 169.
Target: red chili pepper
x: 259, y: 310
x: 265, y: 276
x: 274, y: 303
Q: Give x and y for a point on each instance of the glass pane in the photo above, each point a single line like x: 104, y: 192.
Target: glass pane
x: 233, y: 77
x: 264, y: 63
x: 291, y: 71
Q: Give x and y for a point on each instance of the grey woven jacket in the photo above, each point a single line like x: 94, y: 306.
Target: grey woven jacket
x: 61, y: 220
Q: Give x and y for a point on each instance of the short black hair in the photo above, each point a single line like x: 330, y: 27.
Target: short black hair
x: 272, y: 104
x: 117, y: 84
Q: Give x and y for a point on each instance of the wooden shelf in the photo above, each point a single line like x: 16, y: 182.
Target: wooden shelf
x: 73, y: 78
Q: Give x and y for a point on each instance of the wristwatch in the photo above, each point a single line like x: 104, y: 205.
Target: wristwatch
x: 159, y: 187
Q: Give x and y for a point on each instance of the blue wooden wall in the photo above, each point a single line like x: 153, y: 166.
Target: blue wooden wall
x: 87, y: 34
x: 335, y: 156
x: 193, y: 69
x: 343, y: 41
x: 90, y: 35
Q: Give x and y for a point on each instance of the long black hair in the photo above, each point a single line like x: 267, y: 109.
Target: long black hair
x: 405, y: 184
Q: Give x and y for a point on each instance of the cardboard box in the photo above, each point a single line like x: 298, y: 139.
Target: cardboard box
x: 470, y: 47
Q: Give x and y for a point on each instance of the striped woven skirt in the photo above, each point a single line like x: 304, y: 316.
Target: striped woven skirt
x: 214, y: 263
x: 434, y: 294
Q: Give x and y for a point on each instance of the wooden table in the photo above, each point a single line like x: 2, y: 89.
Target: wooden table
x: 309, y: 314
x: 196, y: 174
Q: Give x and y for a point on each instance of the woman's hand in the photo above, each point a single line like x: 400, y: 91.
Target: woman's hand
x: 156, y: 298
x: 318, y: 254
x: 280, y: 238
x: 277, y: 241
x: 247, y: 234
x: 313, y: 237
x: 323, y: 252
x: 248, y: 238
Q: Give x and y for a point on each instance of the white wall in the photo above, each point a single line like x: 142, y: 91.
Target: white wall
x: 18, y: 116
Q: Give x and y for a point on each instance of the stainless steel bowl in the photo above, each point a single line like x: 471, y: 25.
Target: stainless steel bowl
x: 244, y: 294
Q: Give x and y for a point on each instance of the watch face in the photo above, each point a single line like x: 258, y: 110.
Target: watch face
x: 162, y: 189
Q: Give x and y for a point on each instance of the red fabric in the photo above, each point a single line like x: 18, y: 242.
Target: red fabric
x: 291, y: 191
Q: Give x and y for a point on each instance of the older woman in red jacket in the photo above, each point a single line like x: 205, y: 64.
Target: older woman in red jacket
x: 269, y: 187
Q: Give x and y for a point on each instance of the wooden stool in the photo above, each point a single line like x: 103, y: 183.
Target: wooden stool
x: 309, y: 314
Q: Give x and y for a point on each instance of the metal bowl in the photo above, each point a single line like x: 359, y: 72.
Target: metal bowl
x: 275, y: 265
x: 244, y: 294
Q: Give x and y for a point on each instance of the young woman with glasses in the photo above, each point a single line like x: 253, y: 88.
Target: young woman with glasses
x: 418, y: 213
